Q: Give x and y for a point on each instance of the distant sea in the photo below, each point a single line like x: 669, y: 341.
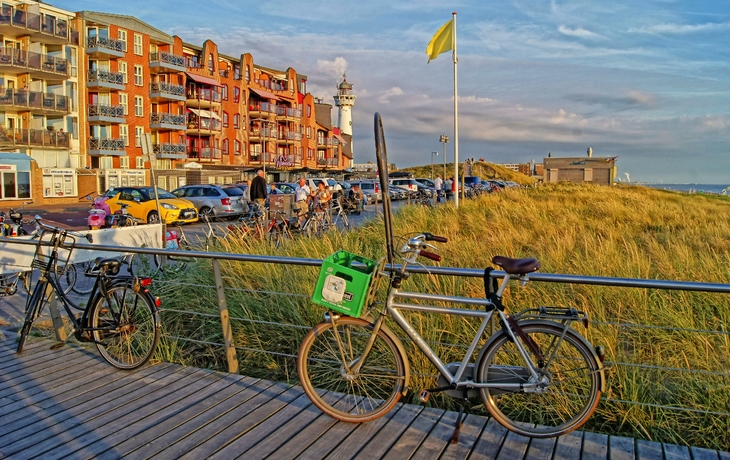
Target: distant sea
x: 691, y: 188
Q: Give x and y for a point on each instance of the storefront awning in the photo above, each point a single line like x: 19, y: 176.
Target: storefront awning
x: 204, y: 113
x: 203, y: 80
x: 265, y: 94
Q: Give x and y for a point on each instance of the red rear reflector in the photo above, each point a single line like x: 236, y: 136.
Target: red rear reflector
x: 226, y: 201
x: 145, y: 282
x: 158, y: 302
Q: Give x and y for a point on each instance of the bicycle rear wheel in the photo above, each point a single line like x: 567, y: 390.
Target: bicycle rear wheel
x: 568, y: 398
x: 351, y: 396
x: 84, y: 279
x: 66, y: 277
x: 125, y: 328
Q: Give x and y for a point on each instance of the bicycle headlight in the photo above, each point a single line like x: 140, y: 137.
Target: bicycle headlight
x: 168, y: 206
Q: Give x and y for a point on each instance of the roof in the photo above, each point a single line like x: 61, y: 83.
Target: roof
x: 127, y: 22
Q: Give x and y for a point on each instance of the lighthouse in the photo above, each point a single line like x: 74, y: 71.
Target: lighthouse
x: 344, y: 101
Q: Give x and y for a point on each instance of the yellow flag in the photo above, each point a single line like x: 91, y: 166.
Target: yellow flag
x: 442, y: 42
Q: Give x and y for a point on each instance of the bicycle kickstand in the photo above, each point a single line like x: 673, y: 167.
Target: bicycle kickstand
x: 460, y: 418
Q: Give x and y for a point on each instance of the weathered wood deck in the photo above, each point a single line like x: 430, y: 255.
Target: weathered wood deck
x: 69, y: 403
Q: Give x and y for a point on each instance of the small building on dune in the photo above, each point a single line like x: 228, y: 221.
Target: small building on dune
x: 596, y: 170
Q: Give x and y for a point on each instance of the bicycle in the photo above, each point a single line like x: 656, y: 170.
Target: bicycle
x: 340, y: 212
x: 120, y: 317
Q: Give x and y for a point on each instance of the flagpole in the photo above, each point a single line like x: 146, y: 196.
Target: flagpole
x: 456, y: 118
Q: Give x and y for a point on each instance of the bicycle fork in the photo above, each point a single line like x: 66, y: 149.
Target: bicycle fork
x: 352, y: 367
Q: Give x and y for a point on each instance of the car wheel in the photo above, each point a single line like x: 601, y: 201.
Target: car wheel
x: 205, y: 213
x: 153, y: 218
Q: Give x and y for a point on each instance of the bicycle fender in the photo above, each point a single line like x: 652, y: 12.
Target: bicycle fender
x: 399, y: 345
x: 601, y: 371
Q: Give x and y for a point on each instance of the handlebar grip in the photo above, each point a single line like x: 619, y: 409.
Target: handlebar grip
x: 440, y: 239
x: 89, y: 238
x: 430, y: 255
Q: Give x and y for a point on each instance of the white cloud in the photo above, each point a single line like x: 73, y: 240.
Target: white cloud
x: 394, y: 91
x: 673, y: 29
x: 336, y: 68
x: 579, y: 32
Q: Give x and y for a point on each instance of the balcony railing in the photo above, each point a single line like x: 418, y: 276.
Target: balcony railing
x: 263, y: 132
x: 106, y: 144
x: 28, y: 60
x: 203, y: 94
x: 33, y: 100
x: 283, y: 111
x: 167, y: 58
x: 327, y: 141
x: 205, y: 153
x: 105, y: 43
x: 42, y: 23
x: 167, y: 88
x: 167, y: 118
x: 208, y: 124
x: 273, y: 85
x: 266, y: 107
x: 290, y: 136
x: 105, y: 76
x: 33, y: 138
x: 115, y: 111
x: 169, y: 149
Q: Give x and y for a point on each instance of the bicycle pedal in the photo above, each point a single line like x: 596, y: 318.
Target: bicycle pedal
x: 423, y: 396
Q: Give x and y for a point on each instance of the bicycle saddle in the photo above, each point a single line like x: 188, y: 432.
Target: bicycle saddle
x: 517, y: 266
x: 108, y: 266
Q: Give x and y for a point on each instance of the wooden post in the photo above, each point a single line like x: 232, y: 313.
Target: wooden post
x: 55, y: 315
x: 225, y: 320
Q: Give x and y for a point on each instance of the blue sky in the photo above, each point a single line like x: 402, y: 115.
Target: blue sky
x: 647, y: 81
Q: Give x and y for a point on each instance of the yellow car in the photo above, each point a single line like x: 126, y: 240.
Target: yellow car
x: 141, y: 205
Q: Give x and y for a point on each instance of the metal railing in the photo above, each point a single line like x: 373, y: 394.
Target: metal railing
x: 266, y: 107
x: 116, y: 111
x: 169, y: 148
x: 105, y: 43
x: 105, y: 76
x: 33, y: 138
x: 42, y: 23
x: 28, y: 60
x: 106, y: 144
x: 203, y: 94
x: 34, y: 100
x: 167, y: 88
x: 167, y: 58
x: 168, y: 118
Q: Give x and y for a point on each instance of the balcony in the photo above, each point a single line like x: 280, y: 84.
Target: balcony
x: 105, y: 79
x: 106, y: 147
x: 105, y: 114
x: 288, y: 137
x: 20, y: 100
x: 272, y: 85
x: 104, y: 47
x: 42, y: 66
x: 288, y: 113
x: 15, y: 138
x: 262, y: 134
x: 170, y: 151
x: 326, y: 142
x: 167, y: 122
x: 205, y: 153
x: 40, y: 27
x: 162, y: 62
x: 202, y: 98
x: 163, y: 91
x: 203, y: 126
x: 262, y: 109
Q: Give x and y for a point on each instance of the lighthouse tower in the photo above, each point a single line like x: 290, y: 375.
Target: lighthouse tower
x: 345, y: 100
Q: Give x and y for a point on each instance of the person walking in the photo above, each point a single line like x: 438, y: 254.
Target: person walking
x: 301, y: 199
x: 258, y: 189
x: 448, y: 188
x: 438, y: 183
x: 357, y: 196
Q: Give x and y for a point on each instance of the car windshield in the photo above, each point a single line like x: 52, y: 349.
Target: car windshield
x: 233, y: 191
x: 148, y: 193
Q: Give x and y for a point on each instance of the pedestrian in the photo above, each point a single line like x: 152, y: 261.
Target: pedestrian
x: 247, y: 191
x: 437, y: 185
x: 258, y: 189
x: 322, y: 196
x: 273, y: 190
x: 448, y: 188
x: 301, y: 197
x: 357, y: 196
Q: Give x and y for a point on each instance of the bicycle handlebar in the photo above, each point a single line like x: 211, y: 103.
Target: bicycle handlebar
x: 88, y: 236
x: 432, y: 237
x: 430, y: 255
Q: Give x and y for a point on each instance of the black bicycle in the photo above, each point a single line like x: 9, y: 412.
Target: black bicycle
x: 121, y: 316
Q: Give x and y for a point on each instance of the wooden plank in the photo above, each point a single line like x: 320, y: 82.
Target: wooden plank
x: 216, y: 420
x: 541, y: 448
x: 595, y: 446
x: 172, y: 430
x: 699, y: 453
x: 620, y: 448
x: 278, y: 396
x: 568, y: 446
x: 514, y: 446
x: 470, y: 431
x: 675, y: 452
x: 20, y: 367
x: 414, y: 435
x: 440, y: 437
x: 490, y: 441
x: 648, y: 450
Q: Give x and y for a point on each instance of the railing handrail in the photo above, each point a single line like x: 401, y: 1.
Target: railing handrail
x: 169, y: 58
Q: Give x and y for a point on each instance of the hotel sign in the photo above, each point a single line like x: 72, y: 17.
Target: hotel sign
x: 58, y: 171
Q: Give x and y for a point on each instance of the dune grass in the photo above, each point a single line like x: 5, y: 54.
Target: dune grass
x: 663, y: 348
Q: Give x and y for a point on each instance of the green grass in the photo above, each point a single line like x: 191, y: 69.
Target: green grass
x: 627, y: 232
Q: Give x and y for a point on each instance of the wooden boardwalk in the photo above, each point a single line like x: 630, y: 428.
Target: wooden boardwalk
x: 69, y: 403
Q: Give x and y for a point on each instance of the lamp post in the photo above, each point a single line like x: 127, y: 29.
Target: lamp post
x: 444, y: 139
x: 432, y: 155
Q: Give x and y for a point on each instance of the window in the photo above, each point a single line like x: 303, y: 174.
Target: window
x: 124, y: 102
x: 248, y: 73
x: 138, y: 44
x: 291, y: 85
x: 309, y: 110
x: 124, y: 162
x: 225, y: 146
x: 236, y: 94
x: 124, y: 134
x: 138, y: 133
x: 122, y: 37
x: 106, y: 163
x: 225, y: 92
x: 237, y: 147
x: 139, y: 163
x: 211, y: 67
x: 138, y: 75
x: 225, y: 119
x: 310, y: 154
x: 122, y: 67
x: 236, y: 121
x: 309, y: 133
x: 139, y: 106
x: 236, y: 72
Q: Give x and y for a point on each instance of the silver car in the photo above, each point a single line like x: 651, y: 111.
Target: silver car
x: 214, y: 200
x: 370, y: 188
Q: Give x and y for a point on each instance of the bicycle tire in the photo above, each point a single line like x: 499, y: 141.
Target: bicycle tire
x: 66, y: 277
x: 124, y: 327
x: 31, y: 313
x: 351, y: 398
x: 565, y: 404
x: 84, y: 279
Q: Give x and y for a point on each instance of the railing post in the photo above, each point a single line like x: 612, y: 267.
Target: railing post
x: 225, y: 320
x: 55, y: 315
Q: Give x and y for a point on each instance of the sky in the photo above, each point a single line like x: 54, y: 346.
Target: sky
x: 647, y: 81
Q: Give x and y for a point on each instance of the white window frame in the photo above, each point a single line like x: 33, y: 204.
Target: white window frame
x: 138, y: 106
x: 124, y: 162
x: 139, y: 162
x: 138, y: 44
x: 106, y: 163
x: 124, y: 134
x: 123, y: 69
x: 122, y: 37
x: 124, y: 102
x: 138, y: 75
x: 138, y: 133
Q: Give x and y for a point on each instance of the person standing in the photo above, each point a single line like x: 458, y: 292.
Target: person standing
x: 258, y: 189
x: 447, y: 186
x: 438, y: 185
x: 357, y: 196
x: 301, y: 199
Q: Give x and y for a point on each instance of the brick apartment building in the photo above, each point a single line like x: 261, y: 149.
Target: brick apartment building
x: 107, y: 80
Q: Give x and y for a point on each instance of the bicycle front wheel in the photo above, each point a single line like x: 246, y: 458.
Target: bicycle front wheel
x: 570, y: 391
x: 85, y: 280
x: 124, y: 327
x: 327, y: 357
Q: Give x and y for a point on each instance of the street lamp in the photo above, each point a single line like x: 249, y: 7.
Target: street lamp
x: 432, y: 155
x: 444, y: 139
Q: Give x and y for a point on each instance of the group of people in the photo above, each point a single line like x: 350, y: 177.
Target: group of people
x: 444, y: 188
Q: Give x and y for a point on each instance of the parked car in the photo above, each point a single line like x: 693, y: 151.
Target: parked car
x: 142, y: 205
x: 402, y: 193
x: 426, y: 182
x: 411, y: 184
x: 284, y: 188
x: 370, y: 188
x: 214, y: 200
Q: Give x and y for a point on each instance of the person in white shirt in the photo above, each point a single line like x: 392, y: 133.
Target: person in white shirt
x: 437, y: 184
x: 301, y: 198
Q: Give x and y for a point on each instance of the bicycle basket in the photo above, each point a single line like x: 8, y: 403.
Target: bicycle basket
x: 343, y: 285
x: 44, y: 252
